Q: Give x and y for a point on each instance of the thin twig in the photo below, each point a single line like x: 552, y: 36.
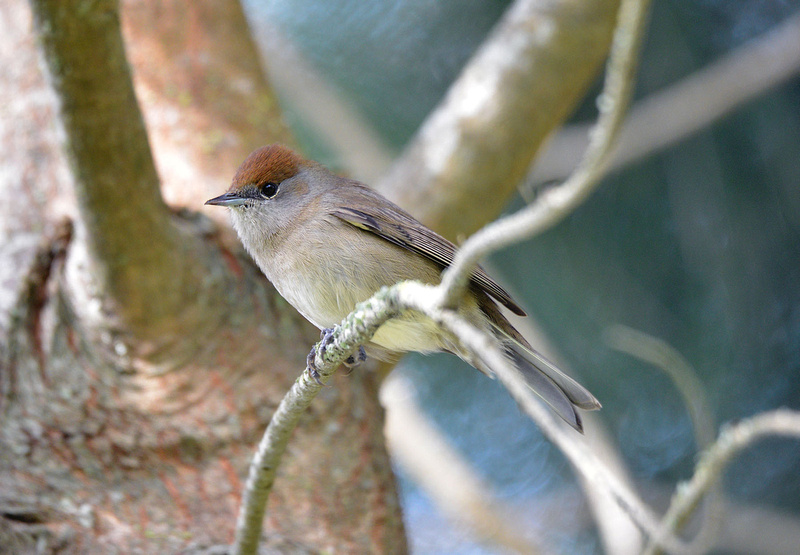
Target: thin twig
x: 732, y: 440
x: 355, y: 330
x: 424, y: 299
x: 671, y: 362
x: 557, y: 202
x: 661, y: 354
x: 683, y: 108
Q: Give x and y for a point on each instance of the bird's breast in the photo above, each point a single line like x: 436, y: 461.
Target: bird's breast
x: 338, y: 266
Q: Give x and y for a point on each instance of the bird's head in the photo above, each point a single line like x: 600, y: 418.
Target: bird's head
x: 273, y: 190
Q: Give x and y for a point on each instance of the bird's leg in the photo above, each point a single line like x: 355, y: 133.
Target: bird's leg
x: 326, y: 338
x: 353, y: 361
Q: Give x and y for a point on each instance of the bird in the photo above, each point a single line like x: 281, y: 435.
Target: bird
x: 327, y: 243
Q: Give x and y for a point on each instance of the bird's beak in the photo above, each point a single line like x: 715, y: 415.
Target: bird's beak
x: 228, y: 199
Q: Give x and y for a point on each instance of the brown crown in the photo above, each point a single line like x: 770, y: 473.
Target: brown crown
x: 268, y: 164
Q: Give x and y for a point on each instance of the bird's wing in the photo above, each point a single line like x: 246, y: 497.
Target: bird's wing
x: 396, y: 226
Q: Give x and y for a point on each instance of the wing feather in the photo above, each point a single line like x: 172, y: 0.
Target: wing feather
x: 396, y: 226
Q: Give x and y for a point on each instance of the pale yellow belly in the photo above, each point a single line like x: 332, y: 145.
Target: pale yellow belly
x: 325, y: 285
x: 412, y: 333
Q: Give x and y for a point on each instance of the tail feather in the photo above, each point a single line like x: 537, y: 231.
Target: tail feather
x: 555, y: 388
x: 531, y: 362
x: 546, y: 388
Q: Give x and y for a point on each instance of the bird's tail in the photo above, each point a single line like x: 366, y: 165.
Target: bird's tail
x: 558, y: 390
x: 562, y: 393
x: 555, y: 388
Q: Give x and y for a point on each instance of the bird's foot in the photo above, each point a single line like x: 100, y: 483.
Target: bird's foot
x: 353, y: 361
x: 326, y: 338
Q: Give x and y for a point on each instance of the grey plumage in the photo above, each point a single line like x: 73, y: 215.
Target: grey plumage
x: 327, y: 243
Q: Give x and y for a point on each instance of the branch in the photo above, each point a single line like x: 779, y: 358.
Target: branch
x: 557, y: 202
x: 137, y: 254
x: 425, y: 299
x: 422, y: 298
x: 732, y: 440
x: 659, y: 353
x: 521, y: 83
x: 355, y: 330
x: 685, y: 107
x: 358, y: 328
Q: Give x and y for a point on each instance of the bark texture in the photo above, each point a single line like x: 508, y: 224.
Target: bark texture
x: 110, y: 439
x: 135, y: 251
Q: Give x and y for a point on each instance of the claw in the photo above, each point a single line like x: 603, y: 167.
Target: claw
x: 311, y: 365
x: 326, y: 338
x: 352, y: 361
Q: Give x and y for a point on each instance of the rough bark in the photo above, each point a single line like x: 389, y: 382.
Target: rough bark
x: 104, y: 449
x: 123, y: 221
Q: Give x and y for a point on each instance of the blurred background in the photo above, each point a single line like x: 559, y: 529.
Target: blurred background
x: 694, y: 241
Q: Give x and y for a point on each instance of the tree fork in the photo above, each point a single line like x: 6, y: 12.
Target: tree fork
x: 137, y: 255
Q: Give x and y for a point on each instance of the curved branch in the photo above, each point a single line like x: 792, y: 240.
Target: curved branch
x: 355, y: 330
x: 683, y: 108
x: 422, y: 298
x: 678, y: 369
x: 659, y: 353
x: 732, y: 440
x: 521, y: 84
x: 556, y: 203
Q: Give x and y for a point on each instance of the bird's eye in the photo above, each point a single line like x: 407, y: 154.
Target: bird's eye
x: 269, y: 190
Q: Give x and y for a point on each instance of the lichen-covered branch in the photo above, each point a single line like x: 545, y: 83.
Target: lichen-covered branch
x: 355, y: 330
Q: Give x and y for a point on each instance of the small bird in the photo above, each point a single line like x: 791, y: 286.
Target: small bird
x: 328, y: 243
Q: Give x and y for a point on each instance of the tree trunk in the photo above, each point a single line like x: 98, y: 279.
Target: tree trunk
x: 135, y: 254
x: 142, y: 355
